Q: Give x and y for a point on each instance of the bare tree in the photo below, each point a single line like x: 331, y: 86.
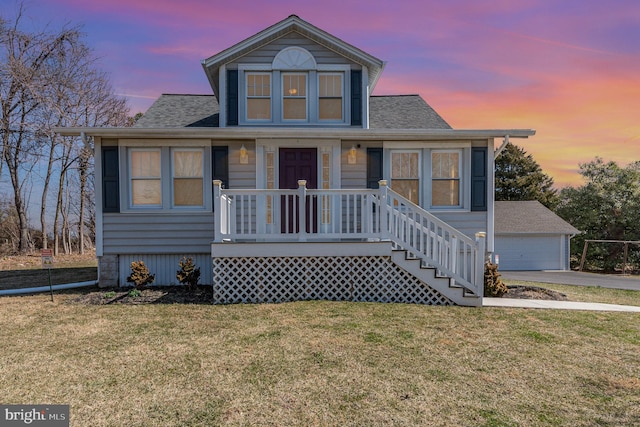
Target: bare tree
x: 25, y: 76
x: 47, y: 80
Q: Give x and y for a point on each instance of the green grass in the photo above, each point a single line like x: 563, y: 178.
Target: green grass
x: 320, y: 363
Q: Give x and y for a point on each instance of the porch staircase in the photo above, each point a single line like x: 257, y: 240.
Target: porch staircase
x: 429, y: 275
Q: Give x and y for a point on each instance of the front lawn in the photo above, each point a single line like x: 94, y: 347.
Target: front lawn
x: 319, y: 363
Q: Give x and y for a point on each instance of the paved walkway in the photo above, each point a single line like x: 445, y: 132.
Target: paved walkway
x: 567, y: 278
x: 561, y: 305
x: 575, y: 278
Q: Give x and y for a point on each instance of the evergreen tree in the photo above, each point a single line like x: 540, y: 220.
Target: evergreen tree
x: 519, y: 177
x: 607, y: 207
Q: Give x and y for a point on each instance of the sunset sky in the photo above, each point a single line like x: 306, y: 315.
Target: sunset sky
x: 569, y: 69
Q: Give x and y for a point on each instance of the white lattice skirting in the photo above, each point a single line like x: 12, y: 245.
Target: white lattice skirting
x: 334, y: 278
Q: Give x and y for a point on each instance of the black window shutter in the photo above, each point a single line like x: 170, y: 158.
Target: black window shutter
x: 479, y: 178
x: 110, y: 180
x: 220, y: 163
x: 356, y: 98
x: 374, y: 166
x: 232, y: 97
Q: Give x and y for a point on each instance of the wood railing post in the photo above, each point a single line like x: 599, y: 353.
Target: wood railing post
x: 384, y: 219
x: 302, y: 210
x: 481, y: 247
x: 217, y: 211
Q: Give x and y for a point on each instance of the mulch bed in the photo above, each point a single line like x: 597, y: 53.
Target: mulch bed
x: 203, y: 295
x: 152, y: 295
x: 533, y: 292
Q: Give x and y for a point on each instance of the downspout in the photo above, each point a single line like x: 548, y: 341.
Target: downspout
x: 47, y: 288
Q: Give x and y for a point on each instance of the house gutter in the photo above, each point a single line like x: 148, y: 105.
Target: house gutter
x: 47, y: 288
x: 296, y: 132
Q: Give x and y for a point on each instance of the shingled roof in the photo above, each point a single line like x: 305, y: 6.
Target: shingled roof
x: 529, y: 217
x: 387, y: 112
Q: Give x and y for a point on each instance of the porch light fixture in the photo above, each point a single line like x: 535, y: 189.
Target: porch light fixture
x: 351, y: 156
x: 244, y: 155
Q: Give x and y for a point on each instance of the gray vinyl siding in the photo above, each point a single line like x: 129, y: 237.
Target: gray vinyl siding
x: 242, y: 176
x: 467, y: 222
x: 157, y: 233
x: 267, y: 53
x: 354, y: 176
x: 165, y: 267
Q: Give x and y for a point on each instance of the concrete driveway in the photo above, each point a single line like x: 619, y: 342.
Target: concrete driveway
x: 575, y: 278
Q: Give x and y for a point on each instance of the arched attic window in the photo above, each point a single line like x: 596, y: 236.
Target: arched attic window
x: 294, y: 62
x: 294, y: 58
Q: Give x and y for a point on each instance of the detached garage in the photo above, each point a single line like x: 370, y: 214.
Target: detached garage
x: 528, y: 236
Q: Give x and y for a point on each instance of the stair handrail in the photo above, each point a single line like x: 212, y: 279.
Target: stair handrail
x: 427, y: 237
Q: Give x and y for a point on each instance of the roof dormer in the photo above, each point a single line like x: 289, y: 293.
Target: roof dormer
x: 293, y: 74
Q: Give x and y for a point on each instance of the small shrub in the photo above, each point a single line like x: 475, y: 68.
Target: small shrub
x: 188, y: 274
x: 140, y: 276
x: 110, y: 294
x: 134, y: 293
x: 493, y: 285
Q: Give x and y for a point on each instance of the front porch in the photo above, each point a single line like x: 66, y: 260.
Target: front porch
x: 360, y: 245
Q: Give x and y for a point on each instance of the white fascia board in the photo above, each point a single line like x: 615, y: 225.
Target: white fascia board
x: 248, y: 132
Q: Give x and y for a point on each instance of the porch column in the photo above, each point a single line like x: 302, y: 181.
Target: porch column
x: 217, y: 212
x: 384, y: 218
x: 302, y: 210
x: 481, y: 248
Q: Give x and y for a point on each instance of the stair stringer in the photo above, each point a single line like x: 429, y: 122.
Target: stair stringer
x: 428, y: 276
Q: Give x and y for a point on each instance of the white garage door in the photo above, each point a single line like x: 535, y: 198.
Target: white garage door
x: 530, y: 252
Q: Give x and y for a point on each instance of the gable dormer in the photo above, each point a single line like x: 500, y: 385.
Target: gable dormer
x: 293, y: 74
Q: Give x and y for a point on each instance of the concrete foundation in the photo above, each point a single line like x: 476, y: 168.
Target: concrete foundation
x: 108, y: 271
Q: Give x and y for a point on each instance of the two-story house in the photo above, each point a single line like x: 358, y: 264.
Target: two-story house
x: 292, y: 181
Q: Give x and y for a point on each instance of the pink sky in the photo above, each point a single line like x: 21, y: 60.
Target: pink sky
x: 569, y: 69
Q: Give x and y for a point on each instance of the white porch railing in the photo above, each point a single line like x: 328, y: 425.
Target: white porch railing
x: 334, y: 214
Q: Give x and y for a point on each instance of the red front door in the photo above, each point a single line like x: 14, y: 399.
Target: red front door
x: 296, y: 164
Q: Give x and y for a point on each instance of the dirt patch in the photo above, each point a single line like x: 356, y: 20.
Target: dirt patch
x: 533, y: 292
x: 152, y: 295
x: 204, y: 295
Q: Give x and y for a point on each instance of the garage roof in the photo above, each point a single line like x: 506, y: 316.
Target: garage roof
x: 529, y: 217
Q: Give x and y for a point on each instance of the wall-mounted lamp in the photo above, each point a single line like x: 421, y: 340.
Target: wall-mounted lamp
x: 351, y: 156
x: 244, y: 155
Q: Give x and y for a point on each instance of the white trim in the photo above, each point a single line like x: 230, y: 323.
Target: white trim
x: 130, y: 178
x: 348, y: 133
x: 190, y: 149
x: 245, y: 97
x: 420, y: 172
x: 156, y: 142
x: 255, y: 67
x: 491, y: 192
x: 296, y: 249
x: 461, y: 180
x: 97, y: 144
x: 306, y: 97
x: 406, y: 144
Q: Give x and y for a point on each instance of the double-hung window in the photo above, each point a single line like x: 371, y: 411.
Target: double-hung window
x: 188, y: 177
x: 445, y: 178
x: 330, y: 96
x: 294, y: 96
x: 405, y: 174
x: 258, y: 96
x: 146, y: 181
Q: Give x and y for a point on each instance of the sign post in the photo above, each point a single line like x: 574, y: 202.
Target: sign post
x: 47, y: 262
